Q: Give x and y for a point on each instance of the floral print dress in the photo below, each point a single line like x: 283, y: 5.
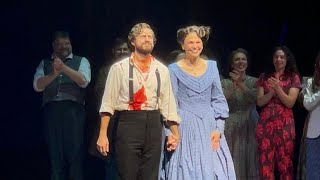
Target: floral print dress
x: 275, y: 131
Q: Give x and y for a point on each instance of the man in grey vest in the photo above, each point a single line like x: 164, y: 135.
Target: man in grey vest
x: 63, y: 78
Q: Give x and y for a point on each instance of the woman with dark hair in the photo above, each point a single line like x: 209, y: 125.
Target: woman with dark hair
x: 202, y: 153
x: 310, y: 146
x: 240, y: 91
x: 278, y: 89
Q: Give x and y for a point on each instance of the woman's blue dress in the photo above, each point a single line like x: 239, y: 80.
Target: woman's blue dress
x: 202, y: 108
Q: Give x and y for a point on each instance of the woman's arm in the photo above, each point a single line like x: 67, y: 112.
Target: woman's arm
x: 263, y: 99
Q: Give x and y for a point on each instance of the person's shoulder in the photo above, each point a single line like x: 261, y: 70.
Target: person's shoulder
x: 120, y: 64
x: 173, y: 64
x: 295, y: 75
x: 77, y: 57
x: 160, y: 64
x: 212, y: 62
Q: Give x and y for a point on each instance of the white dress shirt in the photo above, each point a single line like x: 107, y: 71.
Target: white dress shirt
x: 116, y: 93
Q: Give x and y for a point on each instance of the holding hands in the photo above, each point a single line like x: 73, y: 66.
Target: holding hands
x: 215, y: 139
x: 172, y: 142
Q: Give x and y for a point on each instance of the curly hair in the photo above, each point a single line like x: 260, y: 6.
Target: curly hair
x: 136, y: 30
x: 203, y: 33
x: 291, y: 67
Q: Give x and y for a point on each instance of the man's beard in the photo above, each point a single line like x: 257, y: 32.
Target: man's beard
x: 144, y: 51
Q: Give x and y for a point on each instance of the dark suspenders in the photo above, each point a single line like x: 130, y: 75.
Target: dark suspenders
x: 131, y: 84
x: 158, y: 86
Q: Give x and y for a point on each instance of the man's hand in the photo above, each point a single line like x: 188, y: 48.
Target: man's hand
x: 58, y: 64
x: 172, y: 142
x: 103, y: 144
x: 174, y: 138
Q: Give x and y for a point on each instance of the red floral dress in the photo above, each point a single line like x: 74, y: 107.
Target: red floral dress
x: 275, y: 132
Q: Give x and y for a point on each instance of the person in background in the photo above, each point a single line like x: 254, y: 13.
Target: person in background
x: 310, y: 143
x: 240, y: 91
x: 120, y: 50
x: 174, y: 56
x: 278, y: 89
x: 63, y: 78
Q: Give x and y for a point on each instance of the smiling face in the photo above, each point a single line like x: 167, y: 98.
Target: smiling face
x: 144, y: 41
x: 239, y: 62
x: 120, y: 51
x: 192, y: 45
x: 279, y: 60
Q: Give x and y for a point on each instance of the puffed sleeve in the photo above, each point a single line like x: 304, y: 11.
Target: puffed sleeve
x: 219, y: 102
x: 310, y: 99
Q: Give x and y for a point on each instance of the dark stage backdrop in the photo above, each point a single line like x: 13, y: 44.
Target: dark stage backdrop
x: 26, y: 29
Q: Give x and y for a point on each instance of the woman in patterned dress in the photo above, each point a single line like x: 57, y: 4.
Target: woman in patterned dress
x: 241, y: 92
x: 202, y: 153
x: 275, y: 132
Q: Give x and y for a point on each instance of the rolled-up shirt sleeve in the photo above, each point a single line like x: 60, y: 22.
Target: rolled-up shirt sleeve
x: 111, y: 90
x: 38, y: 74
x: 310, y: 99
x: 85, y: 70
x: 168, y: 106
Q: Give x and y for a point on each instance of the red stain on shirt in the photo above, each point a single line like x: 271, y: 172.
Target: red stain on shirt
x: 142, y: 64
x: 139, y: 98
